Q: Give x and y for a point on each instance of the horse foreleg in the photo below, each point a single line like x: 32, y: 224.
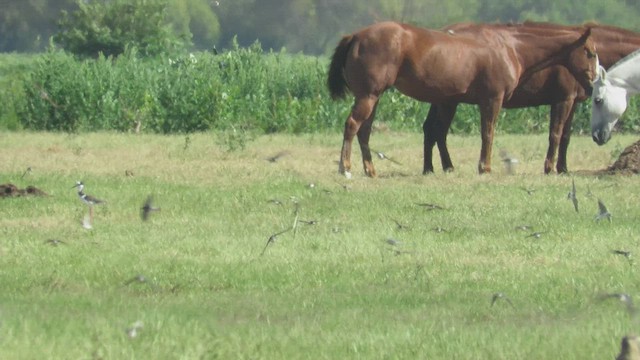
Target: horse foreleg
x: 445, y: 117
x: 362, y: 111
x: 429, y: 131
x: 561, y: 165
x: 557, y: 119
x: 488, y: 115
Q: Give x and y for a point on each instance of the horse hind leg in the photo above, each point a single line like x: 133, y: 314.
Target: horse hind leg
x: 363, y: 139
x: 361, y: 113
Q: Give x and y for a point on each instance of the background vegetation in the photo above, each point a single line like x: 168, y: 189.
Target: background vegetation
x: 168, y: 66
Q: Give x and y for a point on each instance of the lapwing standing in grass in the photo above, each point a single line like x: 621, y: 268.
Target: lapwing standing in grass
x: 148, y: 208
x: 87, y: 199
x: 509, y: 162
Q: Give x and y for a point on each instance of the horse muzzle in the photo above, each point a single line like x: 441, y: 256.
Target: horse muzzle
x: 601, y: 137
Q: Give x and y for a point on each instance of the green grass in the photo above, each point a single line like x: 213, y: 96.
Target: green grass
x: 334, y: 290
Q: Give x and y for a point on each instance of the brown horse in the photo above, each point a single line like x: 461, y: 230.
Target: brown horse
x: 553, y: 86
x: 434, y: 66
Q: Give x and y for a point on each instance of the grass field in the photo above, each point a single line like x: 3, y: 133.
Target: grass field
x: 332, y: 290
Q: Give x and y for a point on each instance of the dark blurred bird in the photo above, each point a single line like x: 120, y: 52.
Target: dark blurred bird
x: 147, y: 208
x: 626, y: 254
x: 272, y: 239
x: 277, y: 156
x: 602, y: 212
x: 537, y: 235
x: 430, y: 206
x: 572, y: 195
x: 622, y: 297
x: 141, y: 279
x: 26, y: 172
x: 383, y: 156
x: 497, y: 296
x: 529, y: 191
x: 401, y: 226
x: 54, y: 242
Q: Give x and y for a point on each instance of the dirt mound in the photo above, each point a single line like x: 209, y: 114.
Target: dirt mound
x: 10, y: 190
x: 628, y: 162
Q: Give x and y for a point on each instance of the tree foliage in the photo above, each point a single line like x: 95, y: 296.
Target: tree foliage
x: 310, y: 26
x: 109, y: 28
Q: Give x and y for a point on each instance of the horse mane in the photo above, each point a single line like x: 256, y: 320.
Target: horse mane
x: 624, y: 60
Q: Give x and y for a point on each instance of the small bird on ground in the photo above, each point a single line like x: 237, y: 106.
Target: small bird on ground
x: 529, y: 191
x: 537, y: 234
x: 626, y: 254
x: 140, y: 279
x: 629, y: 348
x: 622, y: 297
x: 439, y: 229
x: 272, y: 239
x: 277, y: 156
x: 87, y: 199
x: 54, y: 242
x: 132, y: 331
x: 497, y: 296
x: 148, y: 208
x: 509, y: 162
x: 602, y: 212
x: 383, y: 156
x: 26, y: 172
x: 401, y: 226
x: 430, y: 206
x: 572, y: 195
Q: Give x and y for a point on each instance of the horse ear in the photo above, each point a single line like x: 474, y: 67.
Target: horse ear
x: 602, y: 73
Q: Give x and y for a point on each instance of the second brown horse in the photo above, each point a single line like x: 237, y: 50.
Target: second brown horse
x: 434, y: 66
x: 553, y: 86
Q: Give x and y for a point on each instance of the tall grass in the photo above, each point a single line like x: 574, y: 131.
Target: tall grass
x: 331, y: 290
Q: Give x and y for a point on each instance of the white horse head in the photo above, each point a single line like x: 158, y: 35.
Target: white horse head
x: 611, y: 93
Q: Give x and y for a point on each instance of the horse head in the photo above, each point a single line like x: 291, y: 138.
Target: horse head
x: 583, y: 61
x: 609, y: 102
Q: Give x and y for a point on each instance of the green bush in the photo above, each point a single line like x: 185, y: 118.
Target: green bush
x: 242, y: 91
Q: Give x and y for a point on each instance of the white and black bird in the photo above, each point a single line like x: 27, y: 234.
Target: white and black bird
x: 572, y: 195
x: 383, y: 156
x: 87, y: 199
x: 603, y: 213
x: 147, y: 208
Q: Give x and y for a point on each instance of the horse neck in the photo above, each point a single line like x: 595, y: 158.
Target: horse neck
x: 537, y: 50
x: 627, y: 74
x: 612, y: 44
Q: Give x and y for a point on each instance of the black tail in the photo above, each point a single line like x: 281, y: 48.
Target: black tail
x: 336, y: 82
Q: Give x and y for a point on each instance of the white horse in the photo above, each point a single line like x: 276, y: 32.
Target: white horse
x: 611, y: 92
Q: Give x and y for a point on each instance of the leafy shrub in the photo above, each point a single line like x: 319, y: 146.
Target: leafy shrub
x: 110, y: 27
x: 240, y: 92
